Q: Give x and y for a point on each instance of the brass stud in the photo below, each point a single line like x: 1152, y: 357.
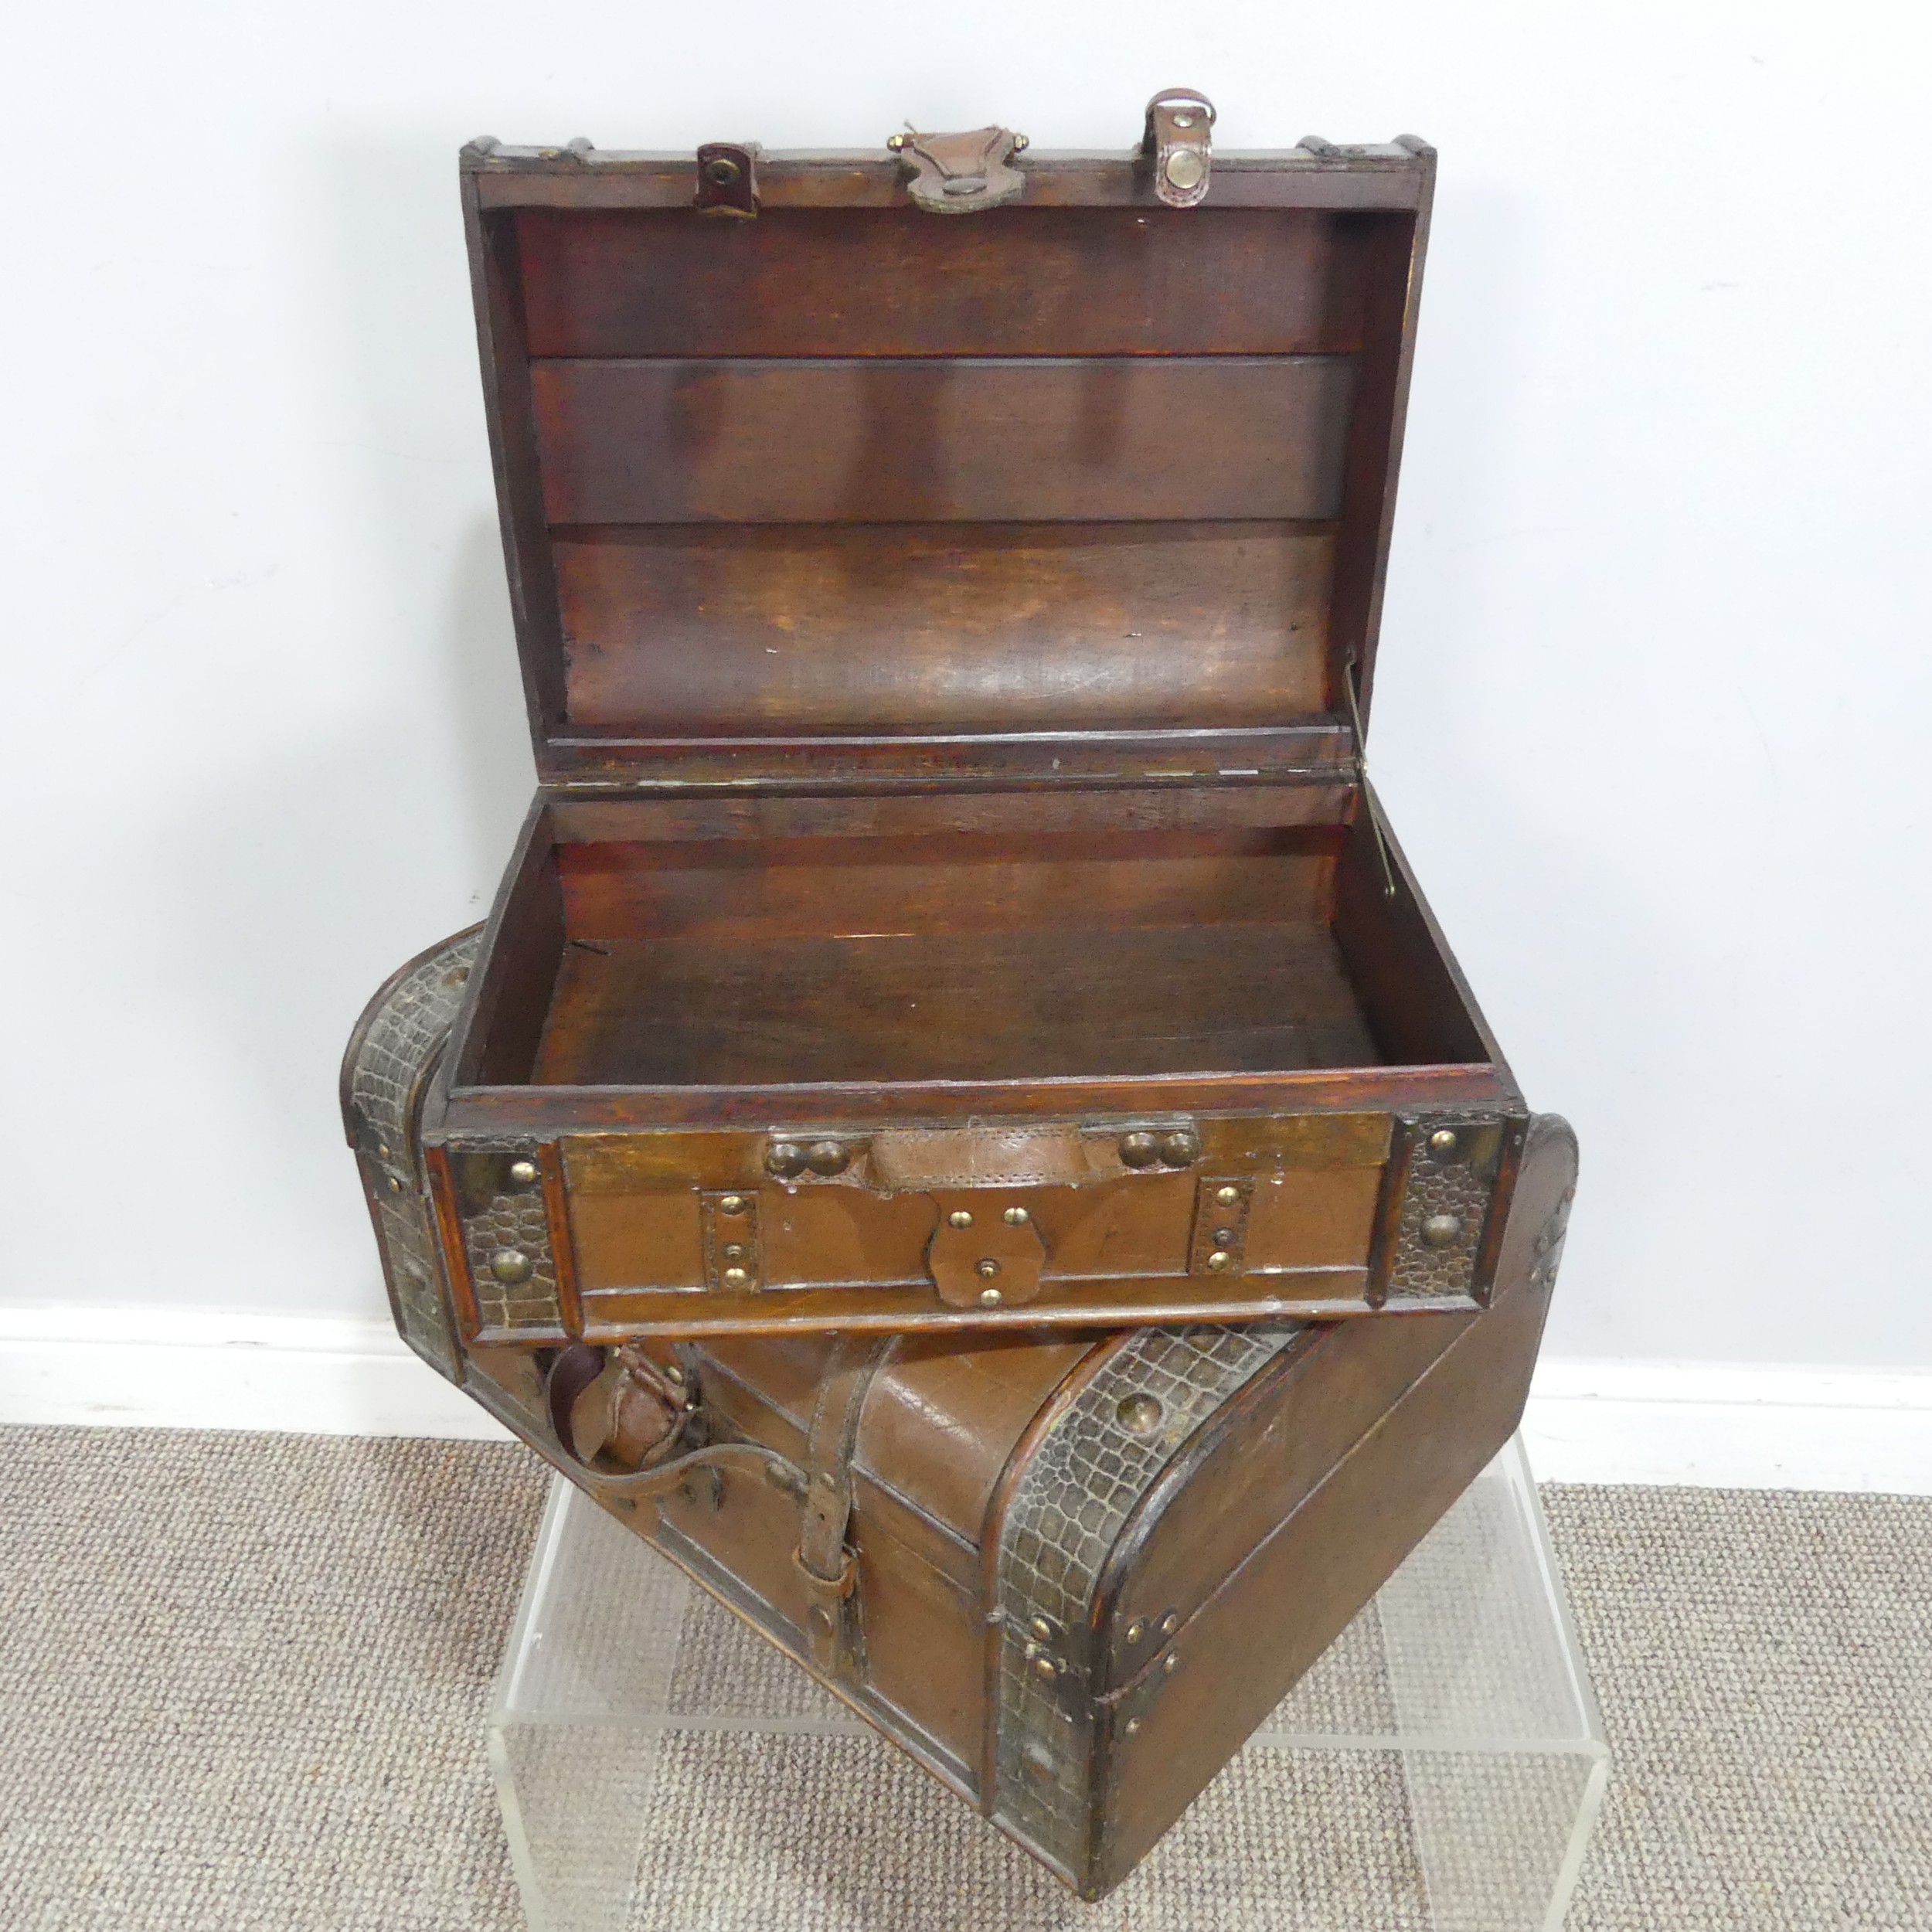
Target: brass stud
x: 731, y: 1204
x: 987, y: 1269
x: 1136, y: 1630
x: 960, y: 1218
x: 1139, y: 1150
x: 1170, y: 1623
x: 1180, y: 1147
x: 381, y: 1152
x: 1185, y: 169
x: 1139, y: 1415
x: 1046, y: 1669
x: 1184, y: 120
x: 898, y: 143
x: 525, y: 1173
x: 511, y: 1264
x: 785, y: 1158
x: 1043, y: 1630
x: 395, y: 1185
x: 674, y: 1375
x: 828, y: 1157
x: 1442, y: 1143
x: 1227, y: 1196
x: 1442, y: 1230
x: 1171, y: 1662
x: 734, y: 1251
x: 735, y: 1278
x: 991, y: 1297
x: 1223, y: 1237
x: 1133, y: 1726
x: 1021, y: 143
x: 1218, y: 1260
x: 721, y: 171
x: 1016, y: 1217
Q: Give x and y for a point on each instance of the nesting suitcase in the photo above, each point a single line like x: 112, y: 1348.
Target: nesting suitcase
x: 960, y: 1126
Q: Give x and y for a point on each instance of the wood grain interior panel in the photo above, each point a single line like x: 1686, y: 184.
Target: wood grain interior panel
x: 894, y: 282
x: 995, y: 626
x: 889, y: 440
x: 836, y: 888
x: 964, y: 1006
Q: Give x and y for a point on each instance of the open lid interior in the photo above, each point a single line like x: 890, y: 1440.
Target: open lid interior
x: 1083, y: 488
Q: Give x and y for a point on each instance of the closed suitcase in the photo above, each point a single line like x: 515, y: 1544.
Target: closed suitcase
x: 953, y: 897
x: 1068, y: 1573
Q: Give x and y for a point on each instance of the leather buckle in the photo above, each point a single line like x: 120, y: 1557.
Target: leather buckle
x: 1178, y: 142
x: 961, y: 174
x: 839, y: 1588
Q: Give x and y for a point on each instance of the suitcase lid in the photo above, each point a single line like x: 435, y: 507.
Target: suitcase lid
x: 1087, y: 477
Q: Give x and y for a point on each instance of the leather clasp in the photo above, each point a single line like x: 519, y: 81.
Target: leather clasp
x: 1179, y: 143
x: 961, y: 174
x: 985, y: 1252
x: 728, y: 179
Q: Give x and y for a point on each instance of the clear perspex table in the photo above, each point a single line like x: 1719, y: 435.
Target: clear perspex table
x: 660, y: 1765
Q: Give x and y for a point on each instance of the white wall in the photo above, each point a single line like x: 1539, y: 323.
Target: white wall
x: 1654, y: 698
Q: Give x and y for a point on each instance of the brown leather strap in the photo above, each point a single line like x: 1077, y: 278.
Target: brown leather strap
x: 833, y: 1630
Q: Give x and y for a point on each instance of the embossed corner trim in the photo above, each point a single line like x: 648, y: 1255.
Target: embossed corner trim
x: 1447, y: 1168
x: 1065, y: 1516
x: 400, y: 1045
x: 505, y: 1222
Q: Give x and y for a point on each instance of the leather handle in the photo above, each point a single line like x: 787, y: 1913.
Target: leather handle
x: 916, y: 1161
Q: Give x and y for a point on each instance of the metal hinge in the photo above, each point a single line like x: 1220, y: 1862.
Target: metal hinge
x: 1351, y: 673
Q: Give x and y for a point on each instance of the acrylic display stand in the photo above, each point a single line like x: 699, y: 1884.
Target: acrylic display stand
x: 659, y: 1766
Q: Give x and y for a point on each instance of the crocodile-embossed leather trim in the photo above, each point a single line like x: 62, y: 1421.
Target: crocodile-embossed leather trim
x: 1444, y: 1170
x: 505, y: 1219
x: 396, y: 1047
x: 1065, y: 1515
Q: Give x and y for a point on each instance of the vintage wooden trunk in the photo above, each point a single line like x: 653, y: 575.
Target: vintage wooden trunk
x: 961, y: 1125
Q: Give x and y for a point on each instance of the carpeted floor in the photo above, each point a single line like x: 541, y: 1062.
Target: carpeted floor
x: 242, y: 1681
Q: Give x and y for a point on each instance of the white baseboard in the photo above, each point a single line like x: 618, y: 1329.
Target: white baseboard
x: 1712, y: 1425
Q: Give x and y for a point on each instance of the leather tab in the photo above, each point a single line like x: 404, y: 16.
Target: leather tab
x: 832, y: 1632
x: 1178, y: 140
x: 986, y: 1251
x: 728, y: 179
x: 961, y: 174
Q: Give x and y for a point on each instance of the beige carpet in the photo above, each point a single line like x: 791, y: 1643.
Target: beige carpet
x: 242, y: 1678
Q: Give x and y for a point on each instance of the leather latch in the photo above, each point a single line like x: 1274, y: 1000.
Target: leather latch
x: 1179, y: 145
x: 728, y: 179
x: 985, y: 1252
x: 961, y: 174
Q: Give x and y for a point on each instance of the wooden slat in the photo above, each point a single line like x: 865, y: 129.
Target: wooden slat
x: 1099, y: 439
x: 818, y: 627
x: 893, y: 282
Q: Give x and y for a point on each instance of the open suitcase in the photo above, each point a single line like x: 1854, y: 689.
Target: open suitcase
x: 960, y: 1126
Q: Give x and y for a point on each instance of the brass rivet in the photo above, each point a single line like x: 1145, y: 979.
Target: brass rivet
x: 1021, y: 143
x: 898, y: 143
x: 1223, y: 1237
x: 735, y: 1278
x: 1442, y: 1141
x: 1132, y: 1725
x: 1218, y: 1260
x: 674, y: 1375
x: 987, y: 1269
x: 510, y: 1264
x: 381, y: 1152
x: 1136, y: 1631
x: 395, y: 1185
x: 1184, y: 120
x: 1170, y: 1623
x: 1045, y: 1669
x: 731, y: 1204
x: 1016, y: 1217
x: 523, y: 1173
x: 734, y: 1251
x: 1139, y: 1150
x: 1139, y: 1415
x: 722, y: 172
x: 785, y: 1158
x: 1043, y: 1630
x: 1442, y: 1230
x: 1227, y: 1196
x: 960, y: 1218
x: 1171, y: 1662
x: 1185, y: 169
x: 990, y: 1297
x: 1180, y: 1148
x: 828, y: 1157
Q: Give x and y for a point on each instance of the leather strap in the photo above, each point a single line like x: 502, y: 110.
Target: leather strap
x: 833, y: 1635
